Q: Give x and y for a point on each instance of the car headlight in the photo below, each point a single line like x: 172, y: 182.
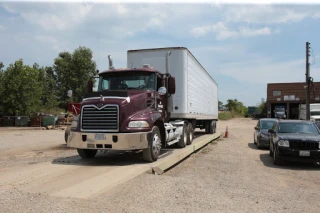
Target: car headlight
x: 283, y: 143
x: 138, y: 124
x: 264, y: 136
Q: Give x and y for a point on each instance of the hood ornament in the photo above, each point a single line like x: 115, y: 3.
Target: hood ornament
x: 101, y: 98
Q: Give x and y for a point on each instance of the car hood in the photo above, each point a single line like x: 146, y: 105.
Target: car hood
x: 297, y: 136
x: 264, y: 131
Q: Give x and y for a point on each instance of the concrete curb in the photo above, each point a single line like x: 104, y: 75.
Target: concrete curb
x: 161, y: 167
x: 21, y: 128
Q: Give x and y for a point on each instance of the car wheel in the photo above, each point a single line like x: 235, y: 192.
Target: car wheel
x: 276, y: 160
x: 258, y: 144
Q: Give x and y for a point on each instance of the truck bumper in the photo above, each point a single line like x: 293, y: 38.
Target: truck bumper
x: 111, y: 141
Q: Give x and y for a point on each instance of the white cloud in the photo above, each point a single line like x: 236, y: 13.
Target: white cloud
x: 59, y: 17
x: 223, y: 32
x: 264, y: 14
x: 46, y: 39
x: 266, y: 70
x: 316, y: 15
x: 201, y: 31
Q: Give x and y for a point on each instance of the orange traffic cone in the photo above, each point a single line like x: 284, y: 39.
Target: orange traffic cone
x: 226, y: 135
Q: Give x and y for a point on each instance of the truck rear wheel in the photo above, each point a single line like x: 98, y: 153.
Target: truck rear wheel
x: 152, y: 153
x: 190, y: 132
x: 87, y: 153
x: 184, y: 137
x: 210, y: 127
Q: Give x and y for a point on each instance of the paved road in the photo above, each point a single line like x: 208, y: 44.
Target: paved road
x: 229, y: 176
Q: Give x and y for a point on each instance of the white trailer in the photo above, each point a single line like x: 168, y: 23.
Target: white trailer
x: 314, y: 112
x: 196, y: 97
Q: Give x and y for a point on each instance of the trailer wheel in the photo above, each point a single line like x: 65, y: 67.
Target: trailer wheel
x: 152, y: 153
x: 190, y: 133
x: 87, y: 153
x: 184, y: 137
x: 211, y: 127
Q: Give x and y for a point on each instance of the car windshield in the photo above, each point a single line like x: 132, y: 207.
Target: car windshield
x: 266, y: 124
x: 279, y: 109
x: 292, y: 127
x: 127, y: 81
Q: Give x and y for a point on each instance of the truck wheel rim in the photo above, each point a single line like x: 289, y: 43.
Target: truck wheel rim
x: 191, y: 135
x: 185, y: 136
x: 156, y: 145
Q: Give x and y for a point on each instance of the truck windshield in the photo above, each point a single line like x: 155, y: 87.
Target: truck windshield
x: 297, y: 127
x: 279, y: 109
x: 132, y: 80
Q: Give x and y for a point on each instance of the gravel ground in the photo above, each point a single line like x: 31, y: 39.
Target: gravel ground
x: 231, y: 175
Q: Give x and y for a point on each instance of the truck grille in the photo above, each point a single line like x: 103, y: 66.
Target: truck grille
x: 104, y: 119
x: 304, y: 145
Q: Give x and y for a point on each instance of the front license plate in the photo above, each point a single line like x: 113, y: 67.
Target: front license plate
x: 99, y: 136
x: 304, y: 153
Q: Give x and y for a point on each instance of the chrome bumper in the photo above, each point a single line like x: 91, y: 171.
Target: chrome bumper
x: 117, y: 141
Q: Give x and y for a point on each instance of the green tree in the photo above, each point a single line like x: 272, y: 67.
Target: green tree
x: 237, y: 107
x: 220, y: 104
x: 72, y: 72
x: 1, y: 87
x: 261, y: 106
x: 49, y: 93
x: 22, y: 89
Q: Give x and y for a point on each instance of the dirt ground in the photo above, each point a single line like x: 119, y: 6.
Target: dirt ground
x: 39, y: 174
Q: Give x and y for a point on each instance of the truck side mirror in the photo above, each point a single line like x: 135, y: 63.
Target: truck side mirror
x: 172, y: 85
x: 89, y: 85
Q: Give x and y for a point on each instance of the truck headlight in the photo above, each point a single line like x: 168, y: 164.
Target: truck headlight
x: 283, y: 143
x: 74, y: 124
x: 138, y: 124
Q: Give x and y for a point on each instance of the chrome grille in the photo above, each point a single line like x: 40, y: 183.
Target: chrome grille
x: 105, y: 119
x: 304, y: 145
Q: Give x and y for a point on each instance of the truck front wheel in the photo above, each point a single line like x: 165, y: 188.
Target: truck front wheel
x: 152, y: 153
x: 87, y: 153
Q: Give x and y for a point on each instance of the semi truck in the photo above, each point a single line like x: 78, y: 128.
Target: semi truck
x: 280, y: 112
x: 253, y: 111
x: 314, y: 112
x: 158, y: 101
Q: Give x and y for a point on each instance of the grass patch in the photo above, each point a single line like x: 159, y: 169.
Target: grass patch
x: 229, y: 115
x: 225, y: 116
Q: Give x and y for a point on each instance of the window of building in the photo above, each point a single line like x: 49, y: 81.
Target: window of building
x: 276, y: 93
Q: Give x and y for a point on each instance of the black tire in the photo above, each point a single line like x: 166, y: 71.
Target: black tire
x: 276, y: 160
x: 211, y: 127
x: 184, y: 137
x: 207, y: 126
x: 214, y: 126
x: 190, y: 134
x: 258, y: 144
x: 270, y: 151
x: 87, y: 153
x: 152, y: 153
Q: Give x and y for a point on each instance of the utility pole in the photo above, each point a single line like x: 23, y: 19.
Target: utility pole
x: 308, y: 81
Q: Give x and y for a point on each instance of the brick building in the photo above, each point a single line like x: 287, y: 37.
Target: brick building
x: 290, y: 95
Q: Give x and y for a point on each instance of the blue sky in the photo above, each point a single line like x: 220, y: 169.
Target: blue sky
x: 243, y: 47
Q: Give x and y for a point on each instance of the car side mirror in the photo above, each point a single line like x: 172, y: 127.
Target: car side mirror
x: 271, y: 131
x: 256, y: 128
